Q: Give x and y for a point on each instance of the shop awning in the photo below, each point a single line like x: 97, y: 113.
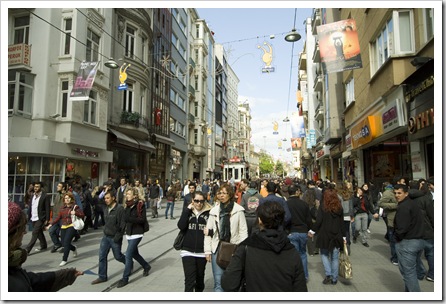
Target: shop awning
x: 146, y: 145
x: 125, y: 139
x: 164, y: 140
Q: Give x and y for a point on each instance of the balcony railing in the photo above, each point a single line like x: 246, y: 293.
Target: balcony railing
x: 135, y: 119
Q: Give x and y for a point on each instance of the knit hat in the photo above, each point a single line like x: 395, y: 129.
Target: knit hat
x: 389, y: 187
x: 14, y: 215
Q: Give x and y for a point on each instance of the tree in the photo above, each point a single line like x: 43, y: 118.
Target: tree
x: 279, y: 168
x: 266, y: 164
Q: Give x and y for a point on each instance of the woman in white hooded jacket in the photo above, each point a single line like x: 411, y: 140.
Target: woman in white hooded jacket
x: 226, y: 222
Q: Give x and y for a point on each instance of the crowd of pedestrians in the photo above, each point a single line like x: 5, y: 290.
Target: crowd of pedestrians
x: 275, y: 224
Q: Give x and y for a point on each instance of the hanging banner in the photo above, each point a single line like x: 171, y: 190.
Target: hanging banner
x: 84, y: 80
x: 157, y: 113
x: 267, y: 57
x: 297, y: 125
x: 339, y: 46
x: 275, y: 128
x: 296, y: 143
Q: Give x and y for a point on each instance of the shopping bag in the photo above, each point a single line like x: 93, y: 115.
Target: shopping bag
x: 345, y: 266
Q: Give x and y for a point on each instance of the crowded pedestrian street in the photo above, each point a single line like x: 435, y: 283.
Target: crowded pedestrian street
x: 374, y: 277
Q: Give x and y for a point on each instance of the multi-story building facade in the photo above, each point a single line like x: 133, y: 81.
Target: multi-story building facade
x: 129, y: 112
x: 51, y: 137
x: 202, y: 130
x: 376, y: 121
x: 182, y: 66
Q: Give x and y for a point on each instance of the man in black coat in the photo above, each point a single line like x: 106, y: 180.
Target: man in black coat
x: 409, y: 231
x: 300, y: 224
x: 39, y: 214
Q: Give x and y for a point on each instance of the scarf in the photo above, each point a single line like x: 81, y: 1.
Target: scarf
x: 225, y: 225
x: 130, y: 204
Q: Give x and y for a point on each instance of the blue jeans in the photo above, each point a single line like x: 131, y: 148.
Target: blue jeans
x: 408, y: 251
x: 299, y: 241
x: 390, y: 235
x: 217, y: 271
x: 170, y: 206
x: 330, y: 260
x: 429, y: 254
x: 54, y: 235
x: 67, y: 236
x: 361, y: 225
x: 133, y: 253
x: 107, y: 243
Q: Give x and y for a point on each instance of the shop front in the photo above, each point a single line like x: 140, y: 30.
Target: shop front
x: 420, y: 99
x: 322, y: 167
x: 380, y: 138
x: 159, y: 160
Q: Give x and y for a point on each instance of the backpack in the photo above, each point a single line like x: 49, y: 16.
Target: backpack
x: 252, y: 204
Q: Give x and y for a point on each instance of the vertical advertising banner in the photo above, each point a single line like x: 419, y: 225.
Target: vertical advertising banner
x: 297, y: 125
x: 84, y: 80
x: 339, y: 46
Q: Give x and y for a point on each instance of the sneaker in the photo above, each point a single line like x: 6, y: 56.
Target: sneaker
x: 63, y: 263
x: 366, y: 245
x: 172, y: 218
x: 40, y: 249
x: 429, y: 279
x: 395, y: 263
x: 327, y: 280
x: 75, y: 251
x: 354, y: 240
x: 121, y: 283
x: 334, y: 282
x: 368, y: 231
x: 166, y: 217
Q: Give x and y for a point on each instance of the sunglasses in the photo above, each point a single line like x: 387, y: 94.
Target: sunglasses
x: 199, y: 201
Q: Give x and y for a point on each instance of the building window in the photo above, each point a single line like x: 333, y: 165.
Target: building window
x: 396, y: 38
x: 130, y: 42
x: 197, y: 32
x: 143, y: 100
x: 20, y: 92
x: 175, y: 13
x: 181, y: 129
x: 195, y: 136
x: 92, y: 54
x: 428, y: 14
x: 181, y: 102
x: 182, y: 25
x: 349, y: 92
x: 173, y: 96
x: 196, y: 109
x: 144, y: 49
x: 182, y: 51
x: 127, y: 101
x: 67, y: 36
x: 21, y: 29
x: 175, y: 40
x: 90, y: 108
x: 172, y: 124
x: 64, y: 93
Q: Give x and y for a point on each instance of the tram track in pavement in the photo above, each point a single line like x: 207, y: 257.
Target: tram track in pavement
x: 114, y: 284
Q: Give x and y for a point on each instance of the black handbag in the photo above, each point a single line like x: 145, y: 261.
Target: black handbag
x: 178, y: 243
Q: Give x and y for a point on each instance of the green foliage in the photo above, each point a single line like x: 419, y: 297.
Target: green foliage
x: 266, y: 164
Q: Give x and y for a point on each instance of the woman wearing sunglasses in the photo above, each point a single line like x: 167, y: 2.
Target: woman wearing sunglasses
x: 193, y: 220
x: 226, y: 222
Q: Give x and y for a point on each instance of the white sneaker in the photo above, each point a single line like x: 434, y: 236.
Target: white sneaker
x: 368, y: 231
x: 63, y: 263
x: 75, y: 251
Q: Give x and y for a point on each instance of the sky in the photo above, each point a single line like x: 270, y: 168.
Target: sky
x: 270, y: 95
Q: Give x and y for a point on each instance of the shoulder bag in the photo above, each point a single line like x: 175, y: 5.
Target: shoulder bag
x: 345, y: 266
x: 77, y: 222
x: 225, y: 251
x: 178, y: 243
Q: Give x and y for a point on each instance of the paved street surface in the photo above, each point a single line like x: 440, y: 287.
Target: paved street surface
x: 372, y: 270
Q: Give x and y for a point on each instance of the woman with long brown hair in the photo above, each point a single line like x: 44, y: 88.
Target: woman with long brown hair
x: 330, y: 229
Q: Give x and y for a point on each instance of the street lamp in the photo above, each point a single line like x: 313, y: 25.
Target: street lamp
x: 293, y: 36
x: 111, y: 64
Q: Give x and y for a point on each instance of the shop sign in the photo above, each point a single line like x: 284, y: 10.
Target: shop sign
x: 421, y: 120
x: 392, y: 116
x: 348, y: 141
x: 325, y: 151
x: 19, y: 54
x: 85, y: 153
x: 420, y: 88
x: 364, y: 131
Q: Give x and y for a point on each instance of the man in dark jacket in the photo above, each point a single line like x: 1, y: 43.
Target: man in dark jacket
x: 112, y: 239
x: 154, y: 195
x: 266, y: 251
x: 419, y: 192
x: 272, y: 197
x: 39, y: 214
x: 250, y: 201
x: 409, y: 231
x: 300, y: 224
x: 188, y: 197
